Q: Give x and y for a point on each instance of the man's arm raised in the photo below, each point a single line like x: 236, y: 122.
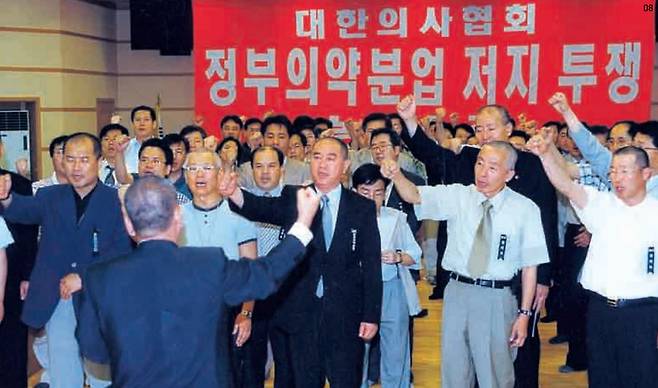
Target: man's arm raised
x: 407, y: 189
x: 550, y: 159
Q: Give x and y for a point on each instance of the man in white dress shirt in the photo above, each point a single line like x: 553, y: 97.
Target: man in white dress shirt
x: 145, y: 125
x: 619, y: 270
x: 493, y: 232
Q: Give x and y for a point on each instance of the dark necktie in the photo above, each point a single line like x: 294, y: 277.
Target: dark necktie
x: 109, y: 178
x: 328, y: 232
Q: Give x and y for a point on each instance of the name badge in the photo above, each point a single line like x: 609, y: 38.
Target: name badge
x: 353, y: 231
x: 95, y: 245
x: 282, y: 233
x: 502, y: 246
x: 651, y: 256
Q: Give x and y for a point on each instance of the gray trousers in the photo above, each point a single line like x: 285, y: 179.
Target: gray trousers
x: 477, y: 324
x: 393, y: 339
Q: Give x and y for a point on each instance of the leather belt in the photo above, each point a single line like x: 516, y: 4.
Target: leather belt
x: 481, y: 282
x: 619, y: 303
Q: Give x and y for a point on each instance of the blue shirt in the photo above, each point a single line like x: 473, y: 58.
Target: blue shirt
x: 216, y: 227
x: 395, y: 235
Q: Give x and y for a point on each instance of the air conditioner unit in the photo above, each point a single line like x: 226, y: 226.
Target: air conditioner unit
x: 15, y: 137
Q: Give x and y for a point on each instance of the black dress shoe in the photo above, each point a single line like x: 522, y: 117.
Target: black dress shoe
x: 435, y: 296
x: 422, y: 314
x: 558, y: 339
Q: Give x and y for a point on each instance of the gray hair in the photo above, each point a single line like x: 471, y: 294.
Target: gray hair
x: 216, y: 159
x: 510, y: 152
x: 150, y: 203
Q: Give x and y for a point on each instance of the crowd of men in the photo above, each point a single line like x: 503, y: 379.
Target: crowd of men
x: 192, y: 261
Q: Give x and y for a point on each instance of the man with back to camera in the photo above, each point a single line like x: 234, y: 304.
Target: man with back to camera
x: 165, y: 335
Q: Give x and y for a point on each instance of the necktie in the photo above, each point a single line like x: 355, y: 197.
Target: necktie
x: 109, y: 178
x: 327, y: 231
x: 480, y: 252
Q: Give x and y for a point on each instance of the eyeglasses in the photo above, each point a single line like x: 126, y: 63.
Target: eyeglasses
x: 380, y: 147
x: 195, y: 168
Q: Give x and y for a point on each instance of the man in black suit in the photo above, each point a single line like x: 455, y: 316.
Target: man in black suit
x: 156, y: 314
x: 20, y: 260
x: 332, y: 302
x: 494, y: 123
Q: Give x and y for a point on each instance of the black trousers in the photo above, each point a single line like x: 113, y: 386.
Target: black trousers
x: 13, y: 335
x: 555, y: 303
x: 313, y: 347
x: 245, y: 372
x: 575, y: 300
x: 526, y: 365
x: 621, y: 345
x: 442, y: 276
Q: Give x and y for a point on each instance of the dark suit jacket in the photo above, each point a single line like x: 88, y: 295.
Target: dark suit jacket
x: 351, y: 270
x: 66, y: 245
x: 157, y: 315
x: 398, y: 203
x: 530, y: 180
x: 22, y: 253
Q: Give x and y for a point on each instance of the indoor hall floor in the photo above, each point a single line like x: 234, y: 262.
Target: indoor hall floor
x: 426, y: 352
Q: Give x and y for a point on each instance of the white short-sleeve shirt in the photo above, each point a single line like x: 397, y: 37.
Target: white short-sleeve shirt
x: 517, y: 234
x: 6, y: 238
x: 622, y: 238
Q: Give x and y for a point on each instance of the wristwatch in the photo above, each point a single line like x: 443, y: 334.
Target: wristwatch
x: 246, y: 313
x: 524, y: 312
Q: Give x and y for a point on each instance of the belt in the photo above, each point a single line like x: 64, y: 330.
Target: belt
x: 618, y: 303
x: 481, y: 282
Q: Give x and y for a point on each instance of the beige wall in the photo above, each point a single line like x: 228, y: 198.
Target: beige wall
x: 145, y: 73
x: 63, y: 54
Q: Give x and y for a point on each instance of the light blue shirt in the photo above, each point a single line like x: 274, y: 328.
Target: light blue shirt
x: 600, y: 158
x: 131, y: 155
x: 395, y: 235
x: 334, y: 203
x: 5, y: 235
x: 216, y: 227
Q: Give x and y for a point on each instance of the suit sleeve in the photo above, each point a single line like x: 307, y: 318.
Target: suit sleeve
x: 25, y: 236
x: 547, y: 202
x: 274, y: 210
x: 370, y: 251
x: 88, y: 331
x: 247, y: 279
x: 438, y: 161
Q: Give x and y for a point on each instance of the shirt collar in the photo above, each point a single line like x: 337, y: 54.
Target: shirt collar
x: 207, y: 210
x: 334, y: 194
x: 498, y: 199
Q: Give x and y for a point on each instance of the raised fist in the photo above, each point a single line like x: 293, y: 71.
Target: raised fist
x: 407, y: 107
x: 559, y: 102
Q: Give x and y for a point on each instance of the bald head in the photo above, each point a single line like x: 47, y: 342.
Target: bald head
x: 150, y: 205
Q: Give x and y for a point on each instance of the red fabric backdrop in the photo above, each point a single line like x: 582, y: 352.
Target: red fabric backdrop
x: 348, y: 58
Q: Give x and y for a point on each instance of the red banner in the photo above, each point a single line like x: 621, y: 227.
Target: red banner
x: 345, y: 59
